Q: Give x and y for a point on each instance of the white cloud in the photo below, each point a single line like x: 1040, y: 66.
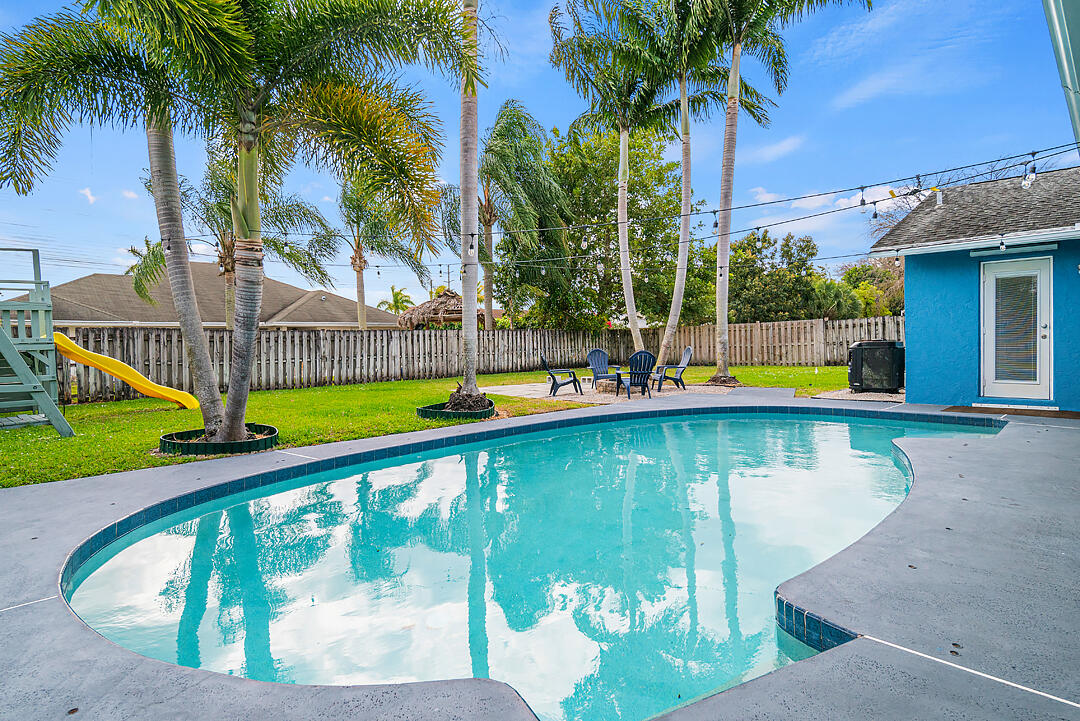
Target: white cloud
x: 914, y: 47
x: 90, y: 197
x: 122, y: 257
x: 326, y: 199
x: 818, y: 201
x: 129, y: 194
x: 852, y: 38
x: 771, y: 152
x: 880, y: 194
x: 804, y: 226
x: 763, y: 196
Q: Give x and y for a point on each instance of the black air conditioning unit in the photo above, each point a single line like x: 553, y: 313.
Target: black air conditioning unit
x: 876, y: 365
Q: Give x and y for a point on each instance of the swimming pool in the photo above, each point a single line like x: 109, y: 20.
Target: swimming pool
x: 611, y: 571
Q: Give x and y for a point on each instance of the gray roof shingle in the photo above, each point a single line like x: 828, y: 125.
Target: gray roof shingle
x: 992, y: 207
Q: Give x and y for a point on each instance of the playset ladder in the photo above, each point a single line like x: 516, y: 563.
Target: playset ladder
x: 28, y: 383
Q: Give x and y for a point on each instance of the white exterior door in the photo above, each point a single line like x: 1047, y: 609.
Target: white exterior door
x: 1017, y: 329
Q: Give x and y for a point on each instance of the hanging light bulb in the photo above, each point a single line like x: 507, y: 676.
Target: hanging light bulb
x: 716, y: 221
x: 543, y: 270
x: 1001, y: 245
x: 472, y: 244
x: 1029, y: 177
x: 378, y: 273
x: 874, y: 216
x: 896, y: 261
x: 862, y: 200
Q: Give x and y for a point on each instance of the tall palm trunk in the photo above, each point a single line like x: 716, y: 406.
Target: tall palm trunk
x: 358, y: 264
x: 723, y: 243
x: 166, y: 190
x: 489, y: 312
x: 230, y: 299
x: 227, y: 261
x: 249, y: 278
x: 624, y: 240
x: 684, y: 231
x: 469, y: 149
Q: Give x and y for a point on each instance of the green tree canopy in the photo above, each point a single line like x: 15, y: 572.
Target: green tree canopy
x: 834, y: 299
x: 588, y: 291
x: 771, y: 279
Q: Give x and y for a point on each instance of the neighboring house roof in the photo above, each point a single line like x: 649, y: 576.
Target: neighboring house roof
x: 987, y: 210
x: 110, y: 298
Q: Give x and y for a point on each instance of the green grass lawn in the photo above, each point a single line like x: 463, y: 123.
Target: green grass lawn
x: 120, y: 436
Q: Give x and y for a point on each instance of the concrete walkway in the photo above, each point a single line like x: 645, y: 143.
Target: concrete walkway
x: 595, y: 397
x: 982, y: 554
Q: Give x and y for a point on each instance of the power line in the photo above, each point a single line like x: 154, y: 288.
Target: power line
x: 1045, y: 153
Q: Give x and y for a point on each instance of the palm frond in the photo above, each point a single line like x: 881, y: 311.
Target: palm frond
x: 147, y: 270
x: 64, y: 69
x: 347, y: 129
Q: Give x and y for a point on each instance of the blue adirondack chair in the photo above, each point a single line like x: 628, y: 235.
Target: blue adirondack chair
x: 661, y: 373
x: 641, y: 365
x: 600, y: 367
x: 556, y: 382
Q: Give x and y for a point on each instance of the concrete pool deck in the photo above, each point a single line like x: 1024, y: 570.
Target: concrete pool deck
x: 982, y: 554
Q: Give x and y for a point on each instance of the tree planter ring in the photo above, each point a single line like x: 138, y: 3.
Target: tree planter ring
x: 183, y: 443
x: 436, y: 412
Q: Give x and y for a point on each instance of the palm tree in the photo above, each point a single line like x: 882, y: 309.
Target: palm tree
x: 517, y: 188
x: 311, y: 77
x: 399, y: 301
x: 684, y: 36
x: 67, y: 68
x: 620, y: 85
x: 753, y: 27
x: 468, y: 181
x: 209, y: 207
x: 371, y: 228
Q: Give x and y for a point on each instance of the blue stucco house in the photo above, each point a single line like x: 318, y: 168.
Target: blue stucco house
x: 992, y: 293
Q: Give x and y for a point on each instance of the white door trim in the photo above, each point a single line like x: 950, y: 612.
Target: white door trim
x: 1042, y: 387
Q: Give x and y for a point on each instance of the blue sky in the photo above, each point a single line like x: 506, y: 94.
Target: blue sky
x: 913, y: 86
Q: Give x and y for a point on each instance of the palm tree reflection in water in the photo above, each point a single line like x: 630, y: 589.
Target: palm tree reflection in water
x: 602, y: 541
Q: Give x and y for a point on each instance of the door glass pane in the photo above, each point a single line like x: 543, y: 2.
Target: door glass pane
x: 1016, y: 315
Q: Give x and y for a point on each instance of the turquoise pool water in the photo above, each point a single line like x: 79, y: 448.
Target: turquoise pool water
x: 605, y: 572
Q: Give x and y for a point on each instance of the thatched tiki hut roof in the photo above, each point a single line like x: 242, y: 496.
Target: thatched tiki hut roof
x: 443, y: 308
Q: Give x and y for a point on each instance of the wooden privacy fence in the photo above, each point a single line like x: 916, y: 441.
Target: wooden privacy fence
x: 303, y: 358
x: 785, y: 343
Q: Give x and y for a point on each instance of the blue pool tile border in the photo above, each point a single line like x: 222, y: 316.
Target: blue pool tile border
x: 785, y: 613
x: 811, y: 629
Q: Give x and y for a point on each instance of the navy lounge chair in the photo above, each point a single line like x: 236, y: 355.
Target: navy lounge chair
x: 598, y: 364
x: 661, y: 373
x: 556, y: 382
x: 641, y: 365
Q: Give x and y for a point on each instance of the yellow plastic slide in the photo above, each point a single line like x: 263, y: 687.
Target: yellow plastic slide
x: 122, y: 371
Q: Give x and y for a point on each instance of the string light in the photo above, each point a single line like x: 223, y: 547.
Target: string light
x: 874, y: 216
x: 1029, y: 178
x: 862, y: 200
